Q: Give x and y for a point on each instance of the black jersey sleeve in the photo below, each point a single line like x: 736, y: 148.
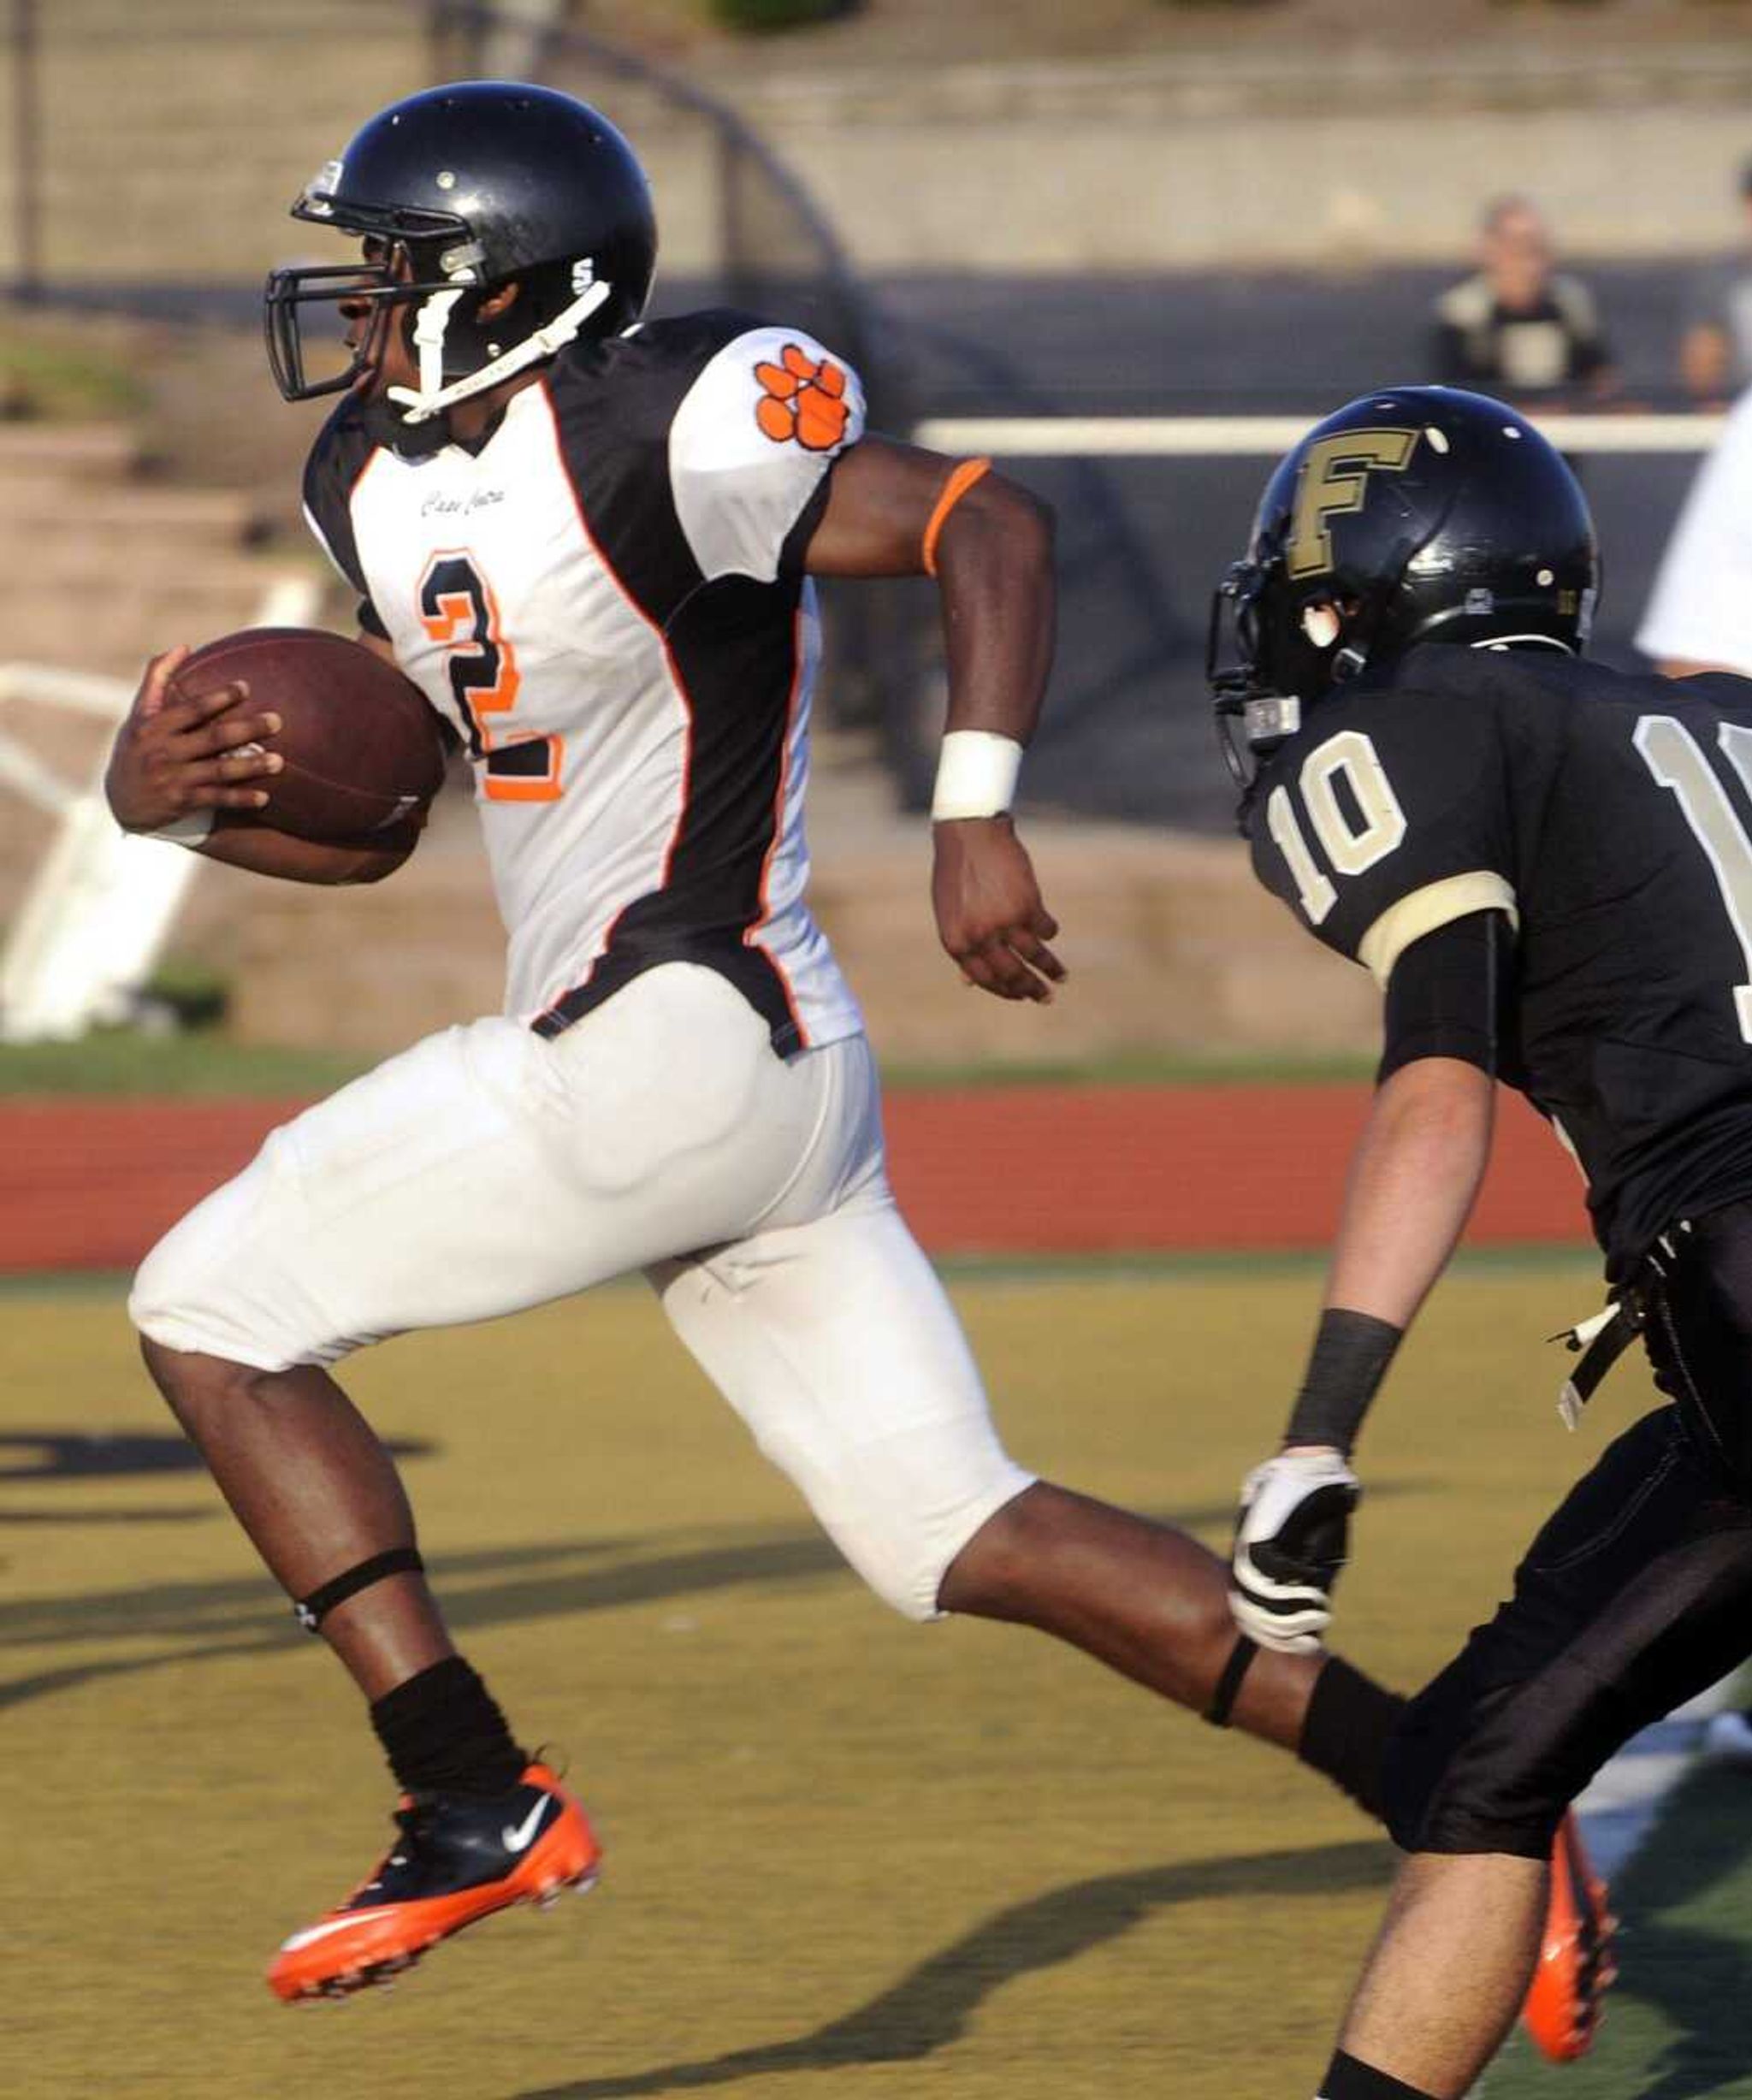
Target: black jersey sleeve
x: 1446, y: 994
x: 337, y: 459
x: 1387, y: 817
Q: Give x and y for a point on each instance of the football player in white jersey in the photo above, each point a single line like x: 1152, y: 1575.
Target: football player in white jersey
x: 591, y: 543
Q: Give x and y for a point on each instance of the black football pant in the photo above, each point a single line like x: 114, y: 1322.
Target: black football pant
x: 1635, y: 1595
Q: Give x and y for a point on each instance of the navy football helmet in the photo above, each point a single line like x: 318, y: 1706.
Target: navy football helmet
x: 457, y: 190
x: 1415, y: 514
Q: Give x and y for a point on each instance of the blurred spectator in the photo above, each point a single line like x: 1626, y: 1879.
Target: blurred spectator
x: 1715, y: 351
x: 1520, y: 328
x: 1700, y: 612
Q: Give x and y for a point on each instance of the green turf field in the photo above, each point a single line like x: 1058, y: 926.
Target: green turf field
x: 847, y: 1857
x: 205, y: 1061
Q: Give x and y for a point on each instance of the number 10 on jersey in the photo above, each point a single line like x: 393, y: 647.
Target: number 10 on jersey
x: 461, y: 613
x: 1349, y: 757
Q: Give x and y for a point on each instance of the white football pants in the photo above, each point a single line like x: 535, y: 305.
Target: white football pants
x: 488, y: 1168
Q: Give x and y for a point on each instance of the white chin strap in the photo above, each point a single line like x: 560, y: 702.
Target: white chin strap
x: 431, y: 397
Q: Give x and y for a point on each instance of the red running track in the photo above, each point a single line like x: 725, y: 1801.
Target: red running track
x: 89, y: 1184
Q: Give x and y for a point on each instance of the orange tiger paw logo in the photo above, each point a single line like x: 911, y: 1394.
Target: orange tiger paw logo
x: 803, y: 401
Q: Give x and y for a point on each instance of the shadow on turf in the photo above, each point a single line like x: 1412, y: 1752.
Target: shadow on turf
x: 32, y: 1459
x: 932, y: 2005
x: 245, y: 1616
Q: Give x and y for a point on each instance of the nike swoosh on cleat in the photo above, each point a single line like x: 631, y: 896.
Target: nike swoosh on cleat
x: 518, y: 1836
x: 312, y: 1933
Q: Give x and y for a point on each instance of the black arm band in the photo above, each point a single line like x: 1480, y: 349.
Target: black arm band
x: 311, y: 1612
x: 1351, y: 1353
x: 1445, y: 996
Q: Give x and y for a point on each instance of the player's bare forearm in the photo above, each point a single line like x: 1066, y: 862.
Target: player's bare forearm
x: 994, y: 558
x: 895, y: 510
x: 335, y: 863
x: 1414, y: 1175
x: 995, y: 570
x: 1413, y: 1179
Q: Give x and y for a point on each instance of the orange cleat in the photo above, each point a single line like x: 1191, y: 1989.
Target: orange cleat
x: 459, y: 1859
x: 1575, y: 1969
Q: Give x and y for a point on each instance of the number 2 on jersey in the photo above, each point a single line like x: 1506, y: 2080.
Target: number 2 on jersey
x: 458, y: 611
x: 1680, y: 764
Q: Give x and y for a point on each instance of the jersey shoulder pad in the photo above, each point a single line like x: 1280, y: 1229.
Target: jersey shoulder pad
x: 1385, y: 818
x: 737, y: 419
x: 624, y: 393
x: 751, y: 443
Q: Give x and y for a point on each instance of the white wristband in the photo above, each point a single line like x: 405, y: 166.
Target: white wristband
x: 193, y: 829
x: 976, y: 775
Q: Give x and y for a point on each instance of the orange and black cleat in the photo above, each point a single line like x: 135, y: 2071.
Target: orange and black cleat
x: 1575, y: 1969
x: 459, y: 1859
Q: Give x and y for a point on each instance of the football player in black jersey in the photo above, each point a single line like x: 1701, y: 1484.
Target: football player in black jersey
x: 1547, y: 867
x: 592, y: 542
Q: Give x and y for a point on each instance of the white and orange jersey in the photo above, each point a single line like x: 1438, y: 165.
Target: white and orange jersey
x: 605, y: 598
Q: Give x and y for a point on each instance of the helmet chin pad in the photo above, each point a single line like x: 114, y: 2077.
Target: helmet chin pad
x: 435, y: 393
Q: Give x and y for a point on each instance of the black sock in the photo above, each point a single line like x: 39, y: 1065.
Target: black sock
x: 1344, y: 1732
x: 1347, y: 2080
x: 443, y: 1733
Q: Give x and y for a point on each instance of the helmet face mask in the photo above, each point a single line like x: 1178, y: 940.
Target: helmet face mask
x: 462, y: 191
x: 1248, y: 717
x: 342, y: 286
x: 1418, y: 514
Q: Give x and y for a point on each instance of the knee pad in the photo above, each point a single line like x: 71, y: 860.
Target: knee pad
x: 196, y: 1292
x: 902, y: 1551
x: 162, y: 1284
x: 904, y: 1575
x: 1493, y: 1775
x: 1419, y: 1752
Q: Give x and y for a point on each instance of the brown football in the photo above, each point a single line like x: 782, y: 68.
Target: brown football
x: 362, y: 747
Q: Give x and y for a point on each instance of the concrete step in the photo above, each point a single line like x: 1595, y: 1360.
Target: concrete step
x: 62, y: 559
x: 110, y: 629
x: 370, y: 969
x: 1169, y: 941
x: 67, y: 452
x: 76, y: 23
x: 40, y: 507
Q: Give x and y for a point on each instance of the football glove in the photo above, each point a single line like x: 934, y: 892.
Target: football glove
x: 1290, y: 1541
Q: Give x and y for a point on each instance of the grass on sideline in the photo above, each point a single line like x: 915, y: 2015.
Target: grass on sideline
x: 205, y: 1062
x: 122, y: 1061
x: 64, y: 371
